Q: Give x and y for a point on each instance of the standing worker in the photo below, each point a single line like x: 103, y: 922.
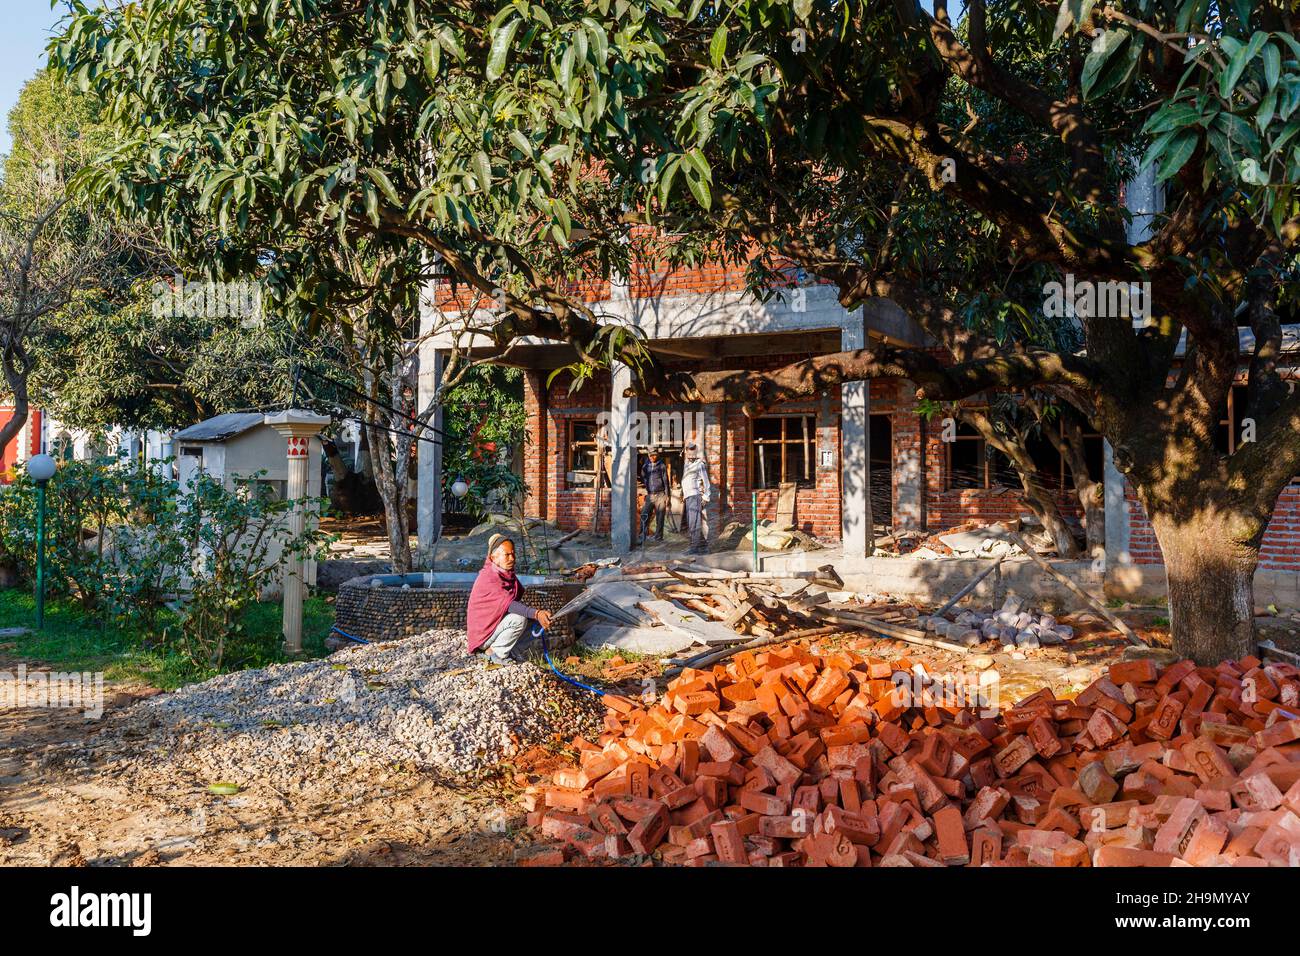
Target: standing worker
x: 497, y: 616
x: 655, y: 477
x: 695, y: 494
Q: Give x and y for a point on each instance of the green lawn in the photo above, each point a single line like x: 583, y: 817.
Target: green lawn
x: 72, y: 641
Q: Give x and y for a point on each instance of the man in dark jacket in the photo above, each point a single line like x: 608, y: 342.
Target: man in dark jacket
x: 655, y: 477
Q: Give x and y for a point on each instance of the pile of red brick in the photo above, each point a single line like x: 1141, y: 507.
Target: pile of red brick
x: 790, y: 758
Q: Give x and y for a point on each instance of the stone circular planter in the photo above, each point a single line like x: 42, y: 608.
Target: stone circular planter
x: 383, y: 607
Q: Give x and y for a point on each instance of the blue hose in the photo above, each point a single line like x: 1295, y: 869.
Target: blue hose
x: 540, y: 632
x: 359, y: 640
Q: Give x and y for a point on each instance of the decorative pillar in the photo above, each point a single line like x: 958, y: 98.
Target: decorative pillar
x: 298, y: 427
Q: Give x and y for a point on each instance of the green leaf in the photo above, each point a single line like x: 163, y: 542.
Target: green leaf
x: 1284, y: 137
x: 521, y: 143
x: 380, y: 179
x: 699, y: 189
x: 1272, y: 65
x: 483, y: 170
x: 562, y: 217
x: 1177, y: 154
x: 1192, y: 13
x: 718, y: 47
x: 432, y: 58
x: 499, y: 52
x: 1267, y: 107
x: 1113, y: 57
x: 372, y: 204
x: 1237, y: 65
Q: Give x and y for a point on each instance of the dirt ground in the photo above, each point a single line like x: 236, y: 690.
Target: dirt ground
x: 57, y: 814
x: 58, y: 808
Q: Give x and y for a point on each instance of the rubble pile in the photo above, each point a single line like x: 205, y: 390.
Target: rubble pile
x: 792, y: 757
x: 1014, y: 625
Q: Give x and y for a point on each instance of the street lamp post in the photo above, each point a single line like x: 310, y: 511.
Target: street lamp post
x: 40, y: 468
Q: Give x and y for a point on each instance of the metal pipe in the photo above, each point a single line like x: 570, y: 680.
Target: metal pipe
x: 40, y: 555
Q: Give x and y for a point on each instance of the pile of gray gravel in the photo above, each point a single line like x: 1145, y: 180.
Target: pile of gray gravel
x: 421, y: 701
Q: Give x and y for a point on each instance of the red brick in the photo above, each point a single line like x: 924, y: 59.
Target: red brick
x: 951, y: 834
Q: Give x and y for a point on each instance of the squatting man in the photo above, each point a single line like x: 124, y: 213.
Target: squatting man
x: 497, y: 617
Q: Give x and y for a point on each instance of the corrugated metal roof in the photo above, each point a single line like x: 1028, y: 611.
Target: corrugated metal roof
x: 221, y: 426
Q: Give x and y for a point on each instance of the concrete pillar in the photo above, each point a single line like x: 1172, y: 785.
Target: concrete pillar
x: 622, y: 436
x: 428, y: 455
x: 1145, y: 200
x: 712, y: 443
x: 855, y: 437
x: 1117, y: 523
x: 909, y: 476
x: 298, y: 428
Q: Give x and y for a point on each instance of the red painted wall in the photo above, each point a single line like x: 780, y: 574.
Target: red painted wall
x: 9, y: 454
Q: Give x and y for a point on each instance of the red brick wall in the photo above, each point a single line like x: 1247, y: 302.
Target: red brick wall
x: 946, y: 508
x: 817, y: 509
x: 9, y: 454
x: 727, y: 448
x: 1279, y: 551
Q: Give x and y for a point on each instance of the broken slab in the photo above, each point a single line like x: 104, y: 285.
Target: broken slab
x: 658, y: 641
x: 689, y: 624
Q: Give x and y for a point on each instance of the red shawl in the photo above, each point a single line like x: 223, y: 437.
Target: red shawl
x: 489, y: 601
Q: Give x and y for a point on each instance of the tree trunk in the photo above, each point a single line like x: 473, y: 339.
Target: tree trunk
x: 1092, y: 498
x: 391, y: 484
x: 1039, y: 499
x: 1211, y: 587
x: 1091, y: 494
x: 18, y: 392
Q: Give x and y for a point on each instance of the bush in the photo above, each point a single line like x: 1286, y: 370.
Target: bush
x: 125, y: 542
x: 239, y: 541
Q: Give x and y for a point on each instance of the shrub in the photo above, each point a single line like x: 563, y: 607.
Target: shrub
x: 240, y: 540
x: 126, y: 542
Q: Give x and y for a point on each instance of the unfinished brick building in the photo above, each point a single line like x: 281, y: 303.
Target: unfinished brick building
x: 701, y: 319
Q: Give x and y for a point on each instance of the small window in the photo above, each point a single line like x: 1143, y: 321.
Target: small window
x: 1227, y: 438
x: 262, y: 489
x: 972, y: 464
x: 783, y: 449
x: 582, y: 453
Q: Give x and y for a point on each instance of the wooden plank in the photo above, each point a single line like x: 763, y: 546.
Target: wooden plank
x: 786, y: 493
x: 970, y: 586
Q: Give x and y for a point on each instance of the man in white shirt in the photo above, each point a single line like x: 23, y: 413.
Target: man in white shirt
x: 695, y: 495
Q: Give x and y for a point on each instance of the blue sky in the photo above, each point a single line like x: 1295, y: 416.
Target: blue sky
x: 27, y: 27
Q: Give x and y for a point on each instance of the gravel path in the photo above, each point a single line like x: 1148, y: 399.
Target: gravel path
x: 420, y: 701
